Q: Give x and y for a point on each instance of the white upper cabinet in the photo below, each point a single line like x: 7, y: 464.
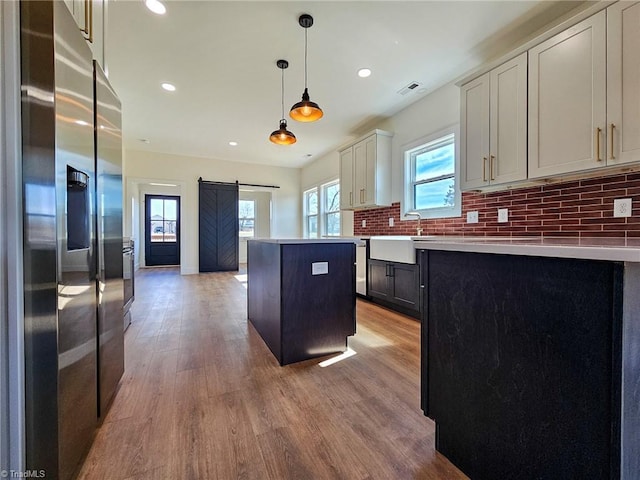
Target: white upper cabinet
x: 474, y: 132
x: 346, y: 179
x: 567, y: 100
x: 90, y: 16
x: 623, y: 83
x: 365, y: 172
x: 494, y: 126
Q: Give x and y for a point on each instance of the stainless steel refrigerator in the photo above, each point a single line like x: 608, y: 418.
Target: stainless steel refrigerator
x: 110, y: 283
x: 65, y: 307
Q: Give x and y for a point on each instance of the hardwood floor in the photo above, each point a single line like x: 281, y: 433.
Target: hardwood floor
x: 202, y: 397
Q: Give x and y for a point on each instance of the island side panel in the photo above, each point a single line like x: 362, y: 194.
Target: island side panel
x: 318, y: 310
x: 264, y: 292
x: 520, y: 364
x: 631, y: 373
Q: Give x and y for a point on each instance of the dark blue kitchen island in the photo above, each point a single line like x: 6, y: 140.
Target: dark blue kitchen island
x: 531, y: 356
x: 301, y: 295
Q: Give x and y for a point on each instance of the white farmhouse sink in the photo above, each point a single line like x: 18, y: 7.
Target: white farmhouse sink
x: 392, y: 248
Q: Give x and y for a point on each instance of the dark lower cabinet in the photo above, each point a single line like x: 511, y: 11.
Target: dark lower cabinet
x: 396, y: 285
x: 522, y: 365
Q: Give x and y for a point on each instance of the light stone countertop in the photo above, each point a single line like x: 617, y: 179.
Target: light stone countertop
x: 298, y: 241
x: 596, y: 248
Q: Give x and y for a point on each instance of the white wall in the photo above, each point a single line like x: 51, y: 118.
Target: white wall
x: 142, y: 168
x: 434, y: 112
x: 262, y: 221
x: 324, y: 170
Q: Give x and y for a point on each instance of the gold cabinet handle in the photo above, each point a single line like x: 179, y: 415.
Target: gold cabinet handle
x: 491, y: 159
x: 484, y: 169
x: 88, y: 20
x: 613, y: 126
x: 350, y: 198
x: 598, y: 132
x: 362, y: 195
x: 85, y: 29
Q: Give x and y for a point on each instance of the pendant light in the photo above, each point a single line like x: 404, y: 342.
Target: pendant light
x: 282, y: 136
x: 306, y: 110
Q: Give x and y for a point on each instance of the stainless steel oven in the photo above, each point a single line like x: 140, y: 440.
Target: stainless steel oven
x: 128, y: 261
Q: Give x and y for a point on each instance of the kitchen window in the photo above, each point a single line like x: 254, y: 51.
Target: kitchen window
x: 431, y: 172
x: 321, y: 206
x: 246, y: 218
x: 311, y: 213
x: 331, y: 213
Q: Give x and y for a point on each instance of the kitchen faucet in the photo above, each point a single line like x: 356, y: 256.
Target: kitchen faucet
x: 416, y: 214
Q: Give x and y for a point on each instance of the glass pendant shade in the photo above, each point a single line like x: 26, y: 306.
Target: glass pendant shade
x: 282, y: 136
x: 306, y: 110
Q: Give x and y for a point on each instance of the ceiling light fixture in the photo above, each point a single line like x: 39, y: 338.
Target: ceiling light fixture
x: 282, y: 136
x: 233, y: 144
x: 364, y: 72
x: 306, y: 110
x: 169, y: 87
x: 156, y: 7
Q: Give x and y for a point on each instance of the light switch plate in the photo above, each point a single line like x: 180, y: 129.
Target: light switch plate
x: 622, y: 207
x: 472, y: 217
x: 391, y: 221
x: 364, y: 223
x: 503, y: 215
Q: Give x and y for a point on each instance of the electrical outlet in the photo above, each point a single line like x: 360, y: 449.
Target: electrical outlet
x: 622, y: 207
x: 472, y: 217
x: 364, y: 224
x: 391, y: 221
x: 503, y: 215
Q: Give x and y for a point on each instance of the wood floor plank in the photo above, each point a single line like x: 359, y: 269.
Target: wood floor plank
x: 203, y: 398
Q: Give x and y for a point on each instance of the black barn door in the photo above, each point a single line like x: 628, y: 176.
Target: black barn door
x: 218, y: 220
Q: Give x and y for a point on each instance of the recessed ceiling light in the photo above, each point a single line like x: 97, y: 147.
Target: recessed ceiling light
x: 156, y: 7
x: 144, y: 140
x: 169, y: 87
x: 233, y: 144
x: 364, y: 72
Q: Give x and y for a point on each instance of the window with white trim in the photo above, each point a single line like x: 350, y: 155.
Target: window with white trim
x: 311, y: 213
x: 321, y: 210
x: 431, y: 173
x: 331, y: 209
x: 246, y: 218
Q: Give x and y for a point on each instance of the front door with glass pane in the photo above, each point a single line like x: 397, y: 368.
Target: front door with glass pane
x: 162, y: 230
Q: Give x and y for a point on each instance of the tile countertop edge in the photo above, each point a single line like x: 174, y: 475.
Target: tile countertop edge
x: 614, y: 253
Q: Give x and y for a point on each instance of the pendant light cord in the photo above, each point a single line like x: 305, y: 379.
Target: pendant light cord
x: 305, y: 57
x: 282, y: 94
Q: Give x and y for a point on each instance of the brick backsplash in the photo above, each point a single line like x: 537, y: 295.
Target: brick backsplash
x: 582, y: 208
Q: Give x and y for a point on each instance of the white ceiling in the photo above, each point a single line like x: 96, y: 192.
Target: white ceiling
x: 221, y: 57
